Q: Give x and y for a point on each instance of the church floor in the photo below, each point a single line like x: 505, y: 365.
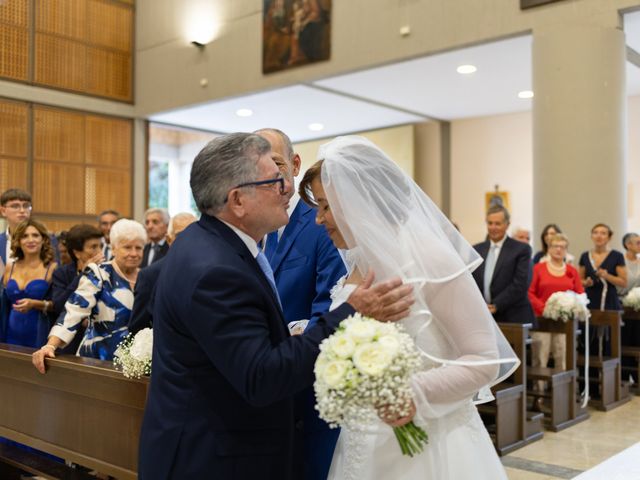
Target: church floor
x: 568, y: 453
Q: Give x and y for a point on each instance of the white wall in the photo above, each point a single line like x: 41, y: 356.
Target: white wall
x: 487, y: 151
x: 498, y: 149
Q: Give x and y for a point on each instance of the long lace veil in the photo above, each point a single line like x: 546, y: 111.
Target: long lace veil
x: 392, y: 227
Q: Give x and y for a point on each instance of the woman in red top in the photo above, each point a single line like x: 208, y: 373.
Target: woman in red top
x: 550, y: 277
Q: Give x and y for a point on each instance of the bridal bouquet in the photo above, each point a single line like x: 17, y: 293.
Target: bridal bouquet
x: 632, y: 299
x: 364, y: 368
x: 566, y: 306
x: 133, y: 355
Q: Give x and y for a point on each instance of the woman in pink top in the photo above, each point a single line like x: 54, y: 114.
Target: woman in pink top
x: 549, y: 277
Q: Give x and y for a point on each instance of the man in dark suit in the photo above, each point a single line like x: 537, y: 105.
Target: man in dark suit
x: 141, y: 313
x: 106, y: 219
x: 306, y: 265
x: 503, y: 277
x: 156, y: 223
x: 225, y: 369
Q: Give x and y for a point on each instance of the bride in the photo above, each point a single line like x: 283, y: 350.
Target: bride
x: 386, y: 224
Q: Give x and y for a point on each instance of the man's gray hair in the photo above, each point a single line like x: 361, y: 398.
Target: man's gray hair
x: 125, y: 230
x: 224, y: 163
x: 285, y: 139
x: 163, y: 212
x: 497, y: 209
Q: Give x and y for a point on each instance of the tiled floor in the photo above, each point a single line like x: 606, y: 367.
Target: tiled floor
x: 566, y: 454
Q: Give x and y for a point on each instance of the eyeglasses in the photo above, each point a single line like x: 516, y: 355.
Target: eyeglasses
x: 555, y: 245
x: 19, y: 206
x: 260, y: 183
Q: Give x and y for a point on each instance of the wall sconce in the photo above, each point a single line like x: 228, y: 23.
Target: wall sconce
x: 199, y: 45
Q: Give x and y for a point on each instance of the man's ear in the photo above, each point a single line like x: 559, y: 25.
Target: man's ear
x: 296, y: 164
x: 236, y: 203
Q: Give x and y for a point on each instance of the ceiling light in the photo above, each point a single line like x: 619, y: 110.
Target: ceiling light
x: 244, y: 112
x: 466, y: 69
x: 525, y: 94
x: 316, y: 127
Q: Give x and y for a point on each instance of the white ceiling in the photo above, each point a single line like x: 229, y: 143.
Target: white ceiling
x: 404, y: 92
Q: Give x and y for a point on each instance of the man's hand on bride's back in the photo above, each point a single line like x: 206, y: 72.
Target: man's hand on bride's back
x: 387, y: 301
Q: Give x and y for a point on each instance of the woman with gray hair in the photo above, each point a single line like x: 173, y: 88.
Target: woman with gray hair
x: 631, y: 244
x: 105, y: 296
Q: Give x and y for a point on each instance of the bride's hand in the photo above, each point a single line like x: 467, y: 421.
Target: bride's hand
x: 393, y: 420
x: 387, y: 301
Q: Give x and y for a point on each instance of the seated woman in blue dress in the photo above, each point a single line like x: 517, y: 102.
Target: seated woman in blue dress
x: 27, y: 284
x: 105, y: 296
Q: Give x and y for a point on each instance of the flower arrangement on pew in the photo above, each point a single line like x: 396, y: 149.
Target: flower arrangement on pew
x: 365, y: 368
x: 632, y: 299
x: 133, y: 355
x: 565, y: 306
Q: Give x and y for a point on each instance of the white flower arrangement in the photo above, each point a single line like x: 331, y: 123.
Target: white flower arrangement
x: 632, y: 299
x: 363, y: 368
x: 566, y: 306
x: 133, y: 355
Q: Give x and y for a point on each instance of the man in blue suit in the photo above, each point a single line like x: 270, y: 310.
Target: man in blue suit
x: 306, y: 265
x: 220, y: 402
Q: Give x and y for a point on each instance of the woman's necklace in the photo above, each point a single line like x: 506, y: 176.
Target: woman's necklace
x: 123, y: 275
x: 557, y: 269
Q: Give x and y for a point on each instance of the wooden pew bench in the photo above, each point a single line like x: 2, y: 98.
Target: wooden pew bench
x: 506, y: 418
x: 606, y: 389
x: 631, y: 353
x: 82, y: 410
x: 561, y: 395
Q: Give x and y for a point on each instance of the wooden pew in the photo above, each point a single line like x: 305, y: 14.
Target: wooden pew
x: 631, y: 352
x: 508, y: 422
x: 82, y: 410
x: 562, y: 384
x: 606, y: 389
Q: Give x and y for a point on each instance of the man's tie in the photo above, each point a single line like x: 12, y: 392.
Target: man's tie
x: 155, y: 248
x: 266, y: 269
x: 271, y: 245
x: 489, y: 266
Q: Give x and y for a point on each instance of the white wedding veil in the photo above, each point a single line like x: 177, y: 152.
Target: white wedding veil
x: 394, y: 229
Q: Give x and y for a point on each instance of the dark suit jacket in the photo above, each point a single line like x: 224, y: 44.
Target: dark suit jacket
x: 161, y: 253
x: 141, y: 314
x: 306, y: 265
x: 220, y: 402
x: 510, y: 281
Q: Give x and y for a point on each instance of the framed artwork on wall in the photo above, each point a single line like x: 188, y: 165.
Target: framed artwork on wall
x: 524, y: 4
x: 497, y: 197
x: 294, y: 33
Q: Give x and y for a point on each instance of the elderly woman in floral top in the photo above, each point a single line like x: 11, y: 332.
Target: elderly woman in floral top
x: 105, y: 296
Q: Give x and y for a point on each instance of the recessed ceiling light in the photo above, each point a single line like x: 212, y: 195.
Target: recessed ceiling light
x: 316, y: 127
x: 525, y: 94
x: 244, y: 112
x: 466, y: 69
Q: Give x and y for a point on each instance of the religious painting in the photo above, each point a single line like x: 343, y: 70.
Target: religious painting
x: 295, y: 32
x: 524, y: 4
x: 496, y: 197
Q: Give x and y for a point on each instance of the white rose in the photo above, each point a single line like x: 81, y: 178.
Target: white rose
x: 343, y: 345
x: 334, y: 372
x: 362, y: 331
x: 372, y: 358
x: 321, y: 363
x: 391, y: 343
x: 142, y: 346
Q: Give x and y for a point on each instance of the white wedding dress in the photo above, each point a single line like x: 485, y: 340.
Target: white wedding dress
x: 459, y: 446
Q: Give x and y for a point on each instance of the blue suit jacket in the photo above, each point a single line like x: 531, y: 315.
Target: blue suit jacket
x: 220, y: 402
x: 142, y: 311
x: 306, y: 266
